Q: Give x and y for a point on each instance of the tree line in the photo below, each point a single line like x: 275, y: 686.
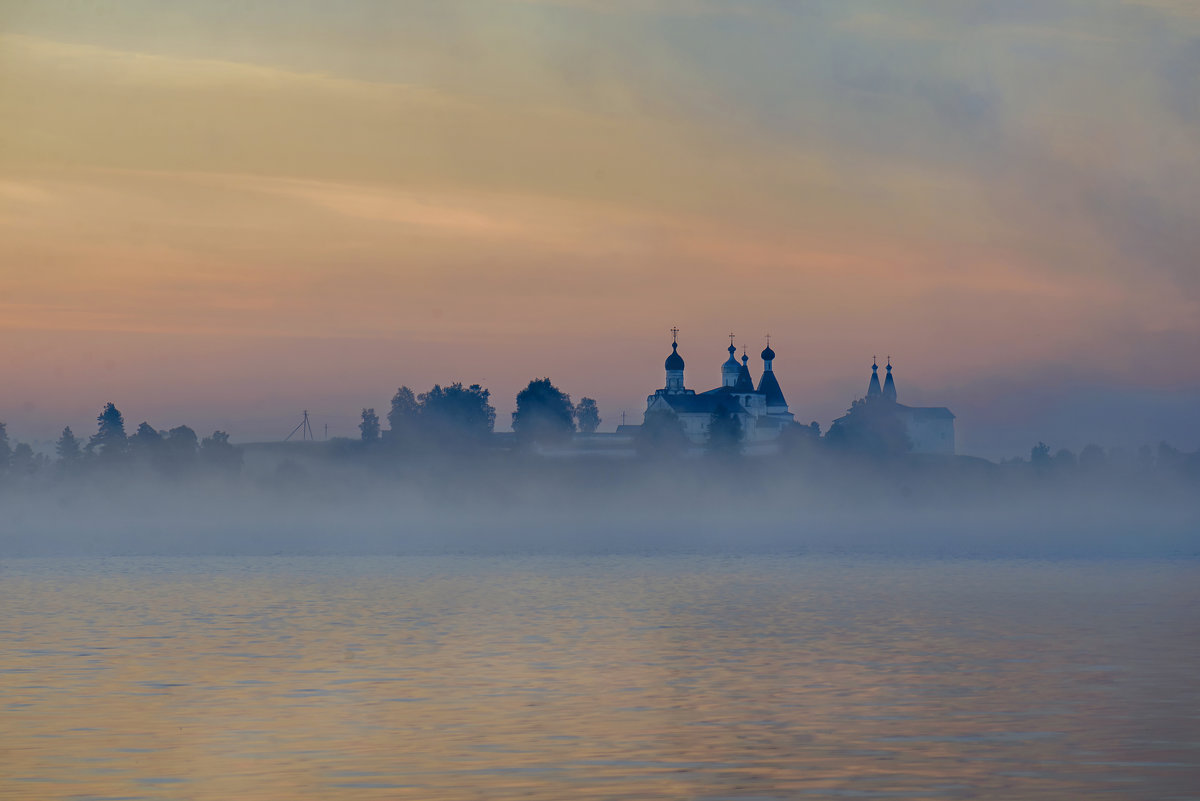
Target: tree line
x: 457, y: 417
x: 177, y: 452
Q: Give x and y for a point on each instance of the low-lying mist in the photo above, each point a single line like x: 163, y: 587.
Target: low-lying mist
x: 317, y: 498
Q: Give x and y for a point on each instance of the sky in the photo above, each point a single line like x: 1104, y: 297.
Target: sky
x: 221, y: 214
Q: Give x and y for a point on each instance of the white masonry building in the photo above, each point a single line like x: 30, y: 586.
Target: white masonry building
x: 762, y: 411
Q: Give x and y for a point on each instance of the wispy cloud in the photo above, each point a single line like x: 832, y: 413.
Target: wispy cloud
x: 1017, y: 178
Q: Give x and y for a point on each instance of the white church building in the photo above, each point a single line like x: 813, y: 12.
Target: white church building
x: 762, y: 411
x: 929, y: 428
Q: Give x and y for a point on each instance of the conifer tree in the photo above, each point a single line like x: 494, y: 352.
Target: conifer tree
x: 109, y: 439
x: 67, y: 447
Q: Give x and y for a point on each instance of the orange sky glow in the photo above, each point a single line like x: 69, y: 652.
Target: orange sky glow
x: 220, y: 217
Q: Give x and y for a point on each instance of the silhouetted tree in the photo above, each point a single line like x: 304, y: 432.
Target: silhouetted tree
x: 871, y: 425
x: 217, y: 453
x: 23, y: 462
x: 403, y: 422
x: 109, y: 440
x: 456, y: 416
x: 67, y: 447
x: 587, y: 416
x: 660, y: 436
x: 182, y: 439
x: 369, y: 426
x: 450, y: 417
x: 796, y: 440
x: 544, y: 414
x: 179, y: 451
x: 724, y: 433
x: 1039, y: 455
x: 146, y: 443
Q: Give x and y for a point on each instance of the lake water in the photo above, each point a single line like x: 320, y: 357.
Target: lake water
x: 637, y: 677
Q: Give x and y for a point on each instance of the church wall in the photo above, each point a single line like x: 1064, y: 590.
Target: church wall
x: 931, y: 436
x: 695, y: 426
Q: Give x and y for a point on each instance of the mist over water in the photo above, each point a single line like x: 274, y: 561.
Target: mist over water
x: 342, y: 621
x: 505, y: 504
x: 238, y: 218
x: 516, y: 625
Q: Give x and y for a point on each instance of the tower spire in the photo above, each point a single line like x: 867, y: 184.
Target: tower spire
x: 768, y: 385
x: 873, y: 389
x: 889, y: 384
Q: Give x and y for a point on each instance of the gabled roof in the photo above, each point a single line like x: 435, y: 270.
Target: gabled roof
x: 914, y: 412
x: 928, y: 412
x: 704, y: 403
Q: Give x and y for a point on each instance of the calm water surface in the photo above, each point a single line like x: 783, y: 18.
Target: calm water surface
x: 614, y: 677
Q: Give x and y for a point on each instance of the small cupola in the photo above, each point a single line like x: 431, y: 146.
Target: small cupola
x: 731, y: 368
x: 744, y: 383
x: 674, y: 361
x: 674, y: 365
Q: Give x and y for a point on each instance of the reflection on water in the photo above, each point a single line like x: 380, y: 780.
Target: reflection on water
x: 616, y: 677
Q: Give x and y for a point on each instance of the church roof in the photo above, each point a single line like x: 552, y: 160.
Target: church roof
x: 768, y: 385
x: 873, y: 388
x: 745, y: 384
x: 889, y: 384
x: 927, y: 412
x: 731, y: 365
x: 705, y: 402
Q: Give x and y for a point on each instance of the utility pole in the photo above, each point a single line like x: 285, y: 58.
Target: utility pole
x: 306, y: 432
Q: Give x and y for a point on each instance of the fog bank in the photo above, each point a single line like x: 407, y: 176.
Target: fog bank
x: 906, y: 506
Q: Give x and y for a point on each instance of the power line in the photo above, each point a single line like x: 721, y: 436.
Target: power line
x: 305, y: 429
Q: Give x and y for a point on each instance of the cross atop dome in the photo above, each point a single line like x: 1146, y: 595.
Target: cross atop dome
x: 674, y: 364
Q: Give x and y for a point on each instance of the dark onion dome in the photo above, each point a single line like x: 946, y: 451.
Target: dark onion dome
x: 674, y: 361
x: 767, y: 354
